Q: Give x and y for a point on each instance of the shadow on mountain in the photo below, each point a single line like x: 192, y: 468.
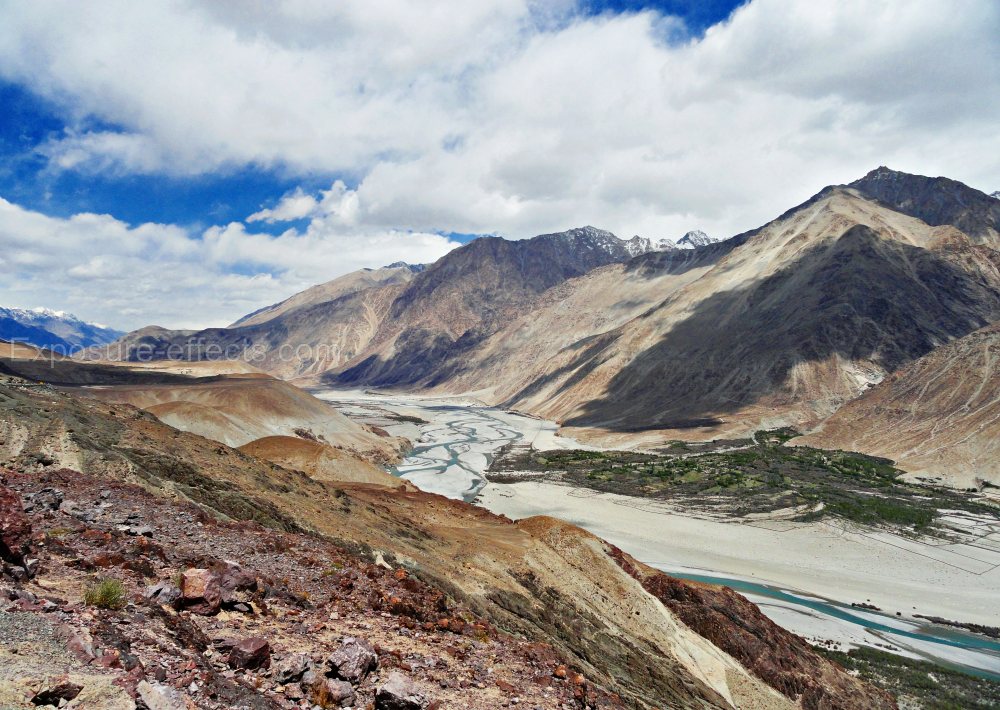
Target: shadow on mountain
x: 860, y: 297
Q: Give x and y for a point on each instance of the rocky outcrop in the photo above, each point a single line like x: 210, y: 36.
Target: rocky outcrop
x: 15, y: 529
x: 784, y: 661
x: 251, y: 654
x: 200, y: 592
x: 399, y: 693
x: 936, y: 201
x: 353, y: 661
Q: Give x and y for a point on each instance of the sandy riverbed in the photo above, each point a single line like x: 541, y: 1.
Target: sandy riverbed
x: 958, y: 581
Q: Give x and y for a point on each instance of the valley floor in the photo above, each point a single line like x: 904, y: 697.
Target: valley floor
x: 790, y: 569
x: 818, y: 561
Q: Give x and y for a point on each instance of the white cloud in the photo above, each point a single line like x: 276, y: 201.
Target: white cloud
x: 516, y: 116
x: 509, y: 116
x: 102, y: 269
x: 295, y: 205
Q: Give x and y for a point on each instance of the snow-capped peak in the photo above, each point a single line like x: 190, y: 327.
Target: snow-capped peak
x: 995, y: 194
x: 695, y: 238
x: 49, y: 313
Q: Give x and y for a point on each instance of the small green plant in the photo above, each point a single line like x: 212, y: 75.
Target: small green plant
x: 105, y: 593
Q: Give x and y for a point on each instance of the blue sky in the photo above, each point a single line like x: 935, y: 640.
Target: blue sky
x: 183, y: 164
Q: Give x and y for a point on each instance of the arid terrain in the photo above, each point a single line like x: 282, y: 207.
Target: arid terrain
x: 539, y: 579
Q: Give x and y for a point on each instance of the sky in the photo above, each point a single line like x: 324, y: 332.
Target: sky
x: 183, y: 163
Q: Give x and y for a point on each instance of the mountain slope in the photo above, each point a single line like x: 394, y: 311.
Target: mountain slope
x: 306, y: 339
x: 471, y: 293
x: 936, y: 201
x: 414, y: 317
x: 332, y: 290
x: 938, y: 417
x: 778, y: 326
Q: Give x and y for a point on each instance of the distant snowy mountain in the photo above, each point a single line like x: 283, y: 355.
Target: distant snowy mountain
x: 995, y: 194
x: 695, y: 238
x: 643, y: 245
x: 46, y: 328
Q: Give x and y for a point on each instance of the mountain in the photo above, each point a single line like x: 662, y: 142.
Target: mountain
x: 694, y: 239
x: 637, y: 246
x: 938, y: 417
x: 422, y: 316
x: 353, y: 282
x: 471, y: 293
x: 778, y: 326
x: 52, y: 329
x: 995, y: 194
x: 781, y: 325
x: 936, y: 201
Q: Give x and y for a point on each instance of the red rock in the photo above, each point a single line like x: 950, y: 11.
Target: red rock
x: 353, y: 660
x: 251, y: 653
x: 200, y: 592
x: 110, y: 659
x: 560, y: 672
x: 233, y: 581
x: 80, y: 643
x: 15, y: 528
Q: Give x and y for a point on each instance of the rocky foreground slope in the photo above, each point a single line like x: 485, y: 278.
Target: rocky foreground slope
x: 231, y: 566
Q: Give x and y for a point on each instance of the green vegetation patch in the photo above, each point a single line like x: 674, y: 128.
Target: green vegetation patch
x: 757, y: 475
x: 919, y: 683
x: 105, y: 593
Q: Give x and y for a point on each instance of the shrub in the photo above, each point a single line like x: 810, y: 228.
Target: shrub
x: 105, y: 594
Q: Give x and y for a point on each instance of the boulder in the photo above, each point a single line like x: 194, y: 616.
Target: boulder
x: 56, y: 690
x: 15, y: 528
x: 163, y: 593
x: 399, y: 693
x: 291, y: 669
x: 332, y: 693
x: 200, y: 592
x: 79, y: 642
x: 159, y: 697
x: 251, y: 654
x: 45, y: 499
x: 354, y: 660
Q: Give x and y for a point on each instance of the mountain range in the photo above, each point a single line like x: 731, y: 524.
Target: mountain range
x: 45, y: 328
x: 778, y: 326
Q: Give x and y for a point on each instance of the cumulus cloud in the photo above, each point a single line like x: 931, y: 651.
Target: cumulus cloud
x: 504, y: 116
x: 518, y: 116
x: 103, y: 269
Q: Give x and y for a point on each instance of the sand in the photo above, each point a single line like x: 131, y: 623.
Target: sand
x: 830, y: 559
